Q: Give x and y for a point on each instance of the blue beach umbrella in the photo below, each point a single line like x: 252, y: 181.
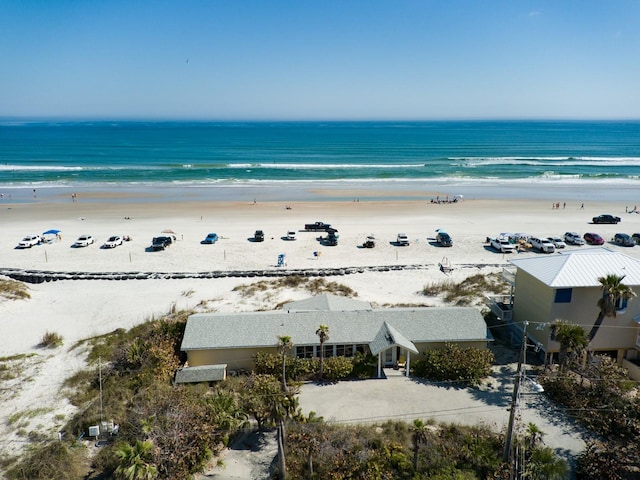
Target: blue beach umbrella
x: 51, y: 232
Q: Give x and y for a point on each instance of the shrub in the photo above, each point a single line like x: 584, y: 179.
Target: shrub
x: 13, y: 290
x: 337, y: 368
x: 50, y: 340
x: 364, y: 365
x: 50, y: 460
x: 454, y: 364
x: 297, y: 368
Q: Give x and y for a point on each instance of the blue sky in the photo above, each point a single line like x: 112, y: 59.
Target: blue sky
x: 320, y: 59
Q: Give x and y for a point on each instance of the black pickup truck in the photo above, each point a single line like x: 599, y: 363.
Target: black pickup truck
x: 317, y: 227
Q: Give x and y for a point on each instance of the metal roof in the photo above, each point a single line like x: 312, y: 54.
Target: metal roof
x: 261, y: 329
x: 580, y: 268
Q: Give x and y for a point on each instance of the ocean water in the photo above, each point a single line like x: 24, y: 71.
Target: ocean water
x: 457, y: 157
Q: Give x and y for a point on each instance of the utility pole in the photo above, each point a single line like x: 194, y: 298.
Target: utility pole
x: 506, y: 456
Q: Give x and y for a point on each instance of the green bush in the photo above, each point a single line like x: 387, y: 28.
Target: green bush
x: 454, y: 364
x: 337, y: 368
x: 297, y: 369
x: 364, y: 366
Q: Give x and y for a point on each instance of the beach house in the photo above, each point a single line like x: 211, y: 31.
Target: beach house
x: 547, y: 288
x: 219, y: 343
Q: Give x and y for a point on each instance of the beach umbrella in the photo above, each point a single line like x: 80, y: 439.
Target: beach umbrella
x: 51, y: 232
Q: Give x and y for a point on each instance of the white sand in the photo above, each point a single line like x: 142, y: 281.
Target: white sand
x: 80, y: 309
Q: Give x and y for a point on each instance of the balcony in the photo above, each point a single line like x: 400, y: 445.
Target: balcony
x: 501, y: 306
x: 509, y: 276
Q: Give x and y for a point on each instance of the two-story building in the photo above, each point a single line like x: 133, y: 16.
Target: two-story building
x: 565, y: 286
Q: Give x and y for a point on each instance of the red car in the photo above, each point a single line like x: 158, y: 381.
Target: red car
x: 593, y: 239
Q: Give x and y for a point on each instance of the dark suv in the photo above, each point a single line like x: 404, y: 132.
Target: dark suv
x: 160, y: 243
x: 606, y: 219
x: 444, y: 239
x: 624, y: 239
x: 258, y: 236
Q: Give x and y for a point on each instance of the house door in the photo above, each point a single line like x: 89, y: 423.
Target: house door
x: 389, y: 359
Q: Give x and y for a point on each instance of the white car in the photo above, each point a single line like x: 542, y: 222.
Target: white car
x: 402, y: 240
x: 542, y: 244
x: 573, y: 238
x: 290, y: 236
x: 557, y: 242
x: 113, y: 242
x: 502, y: 245
x: 83, y: 241
x: 29, y: 241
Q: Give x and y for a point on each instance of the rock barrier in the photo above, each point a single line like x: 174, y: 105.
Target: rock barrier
x: 40, y: 276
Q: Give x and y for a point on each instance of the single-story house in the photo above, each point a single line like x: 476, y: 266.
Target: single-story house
x: 215, y: 343
x: 565, y: 286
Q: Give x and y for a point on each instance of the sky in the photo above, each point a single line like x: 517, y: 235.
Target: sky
x: 320, y: 59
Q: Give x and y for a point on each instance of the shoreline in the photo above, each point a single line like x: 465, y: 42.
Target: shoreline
x: 326, y: 191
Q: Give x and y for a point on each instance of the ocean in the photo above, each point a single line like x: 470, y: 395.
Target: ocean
x: 287, y: 160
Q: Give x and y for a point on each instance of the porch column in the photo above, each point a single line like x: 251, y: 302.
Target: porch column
x: 379, y: 365
x: 408, y: 365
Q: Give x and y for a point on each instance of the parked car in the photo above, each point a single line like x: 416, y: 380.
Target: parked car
x: 83, y: 241
x: 210, y: 239
x: 605, y: 218
x: 502, y: 245
x: 160, y: 243
x: 258, y: 236
x: 444, y: 239
x: 542, y: 244
x: 593, y: 239
x: 557, y: 242
x: 113, y: 242
x: 29, y: 241
x: 624, y: 240
x: 402, y: 240
x: 573, y: 238
x: 636, y: 238
x: 290, y: 236
x: 370, y: 242
x: 317, y: 227
x: 331, y: 240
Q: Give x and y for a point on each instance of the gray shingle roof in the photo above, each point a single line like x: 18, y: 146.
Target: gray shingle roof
x: 261, y: 329
x: 580, y: 268
x: 204, y: 373
x: 327, y: 302
x: 387, y: 337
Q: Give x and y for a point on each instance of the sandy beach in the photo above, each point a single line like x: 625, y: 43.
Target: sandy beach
x: 84, y: 308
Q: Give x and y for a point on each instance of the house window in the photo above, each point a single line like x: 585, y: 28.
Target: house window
x: 348, y: 350
x: 305, y: 351
x: 328, y: 351
x: 563, y: 295
x: 340, y: 350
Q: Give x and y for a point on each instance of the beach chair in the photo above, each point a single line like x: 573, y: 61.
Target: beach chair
x: 402, y: 362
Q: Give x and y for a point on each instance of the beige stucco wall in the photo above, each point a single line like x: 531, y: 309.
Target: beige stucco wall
x: 235, y: 359
x: 535, y: 302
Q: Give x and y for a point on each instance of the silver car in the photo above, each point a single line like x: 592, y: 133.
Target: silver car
x: 572, y: 238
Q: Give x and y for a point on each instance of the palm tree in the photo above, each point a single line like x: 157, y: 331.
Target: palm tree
x: 323, y: 335
x: 134, y: 461
x: 613, y: 290
x: 284, y: 345
x: 419, y: 437
x: 572, y: 338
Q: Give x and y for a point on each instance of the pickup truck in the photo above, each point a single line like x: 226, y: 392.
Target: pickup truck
x: 317, y: 227
x: 502, y: 245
